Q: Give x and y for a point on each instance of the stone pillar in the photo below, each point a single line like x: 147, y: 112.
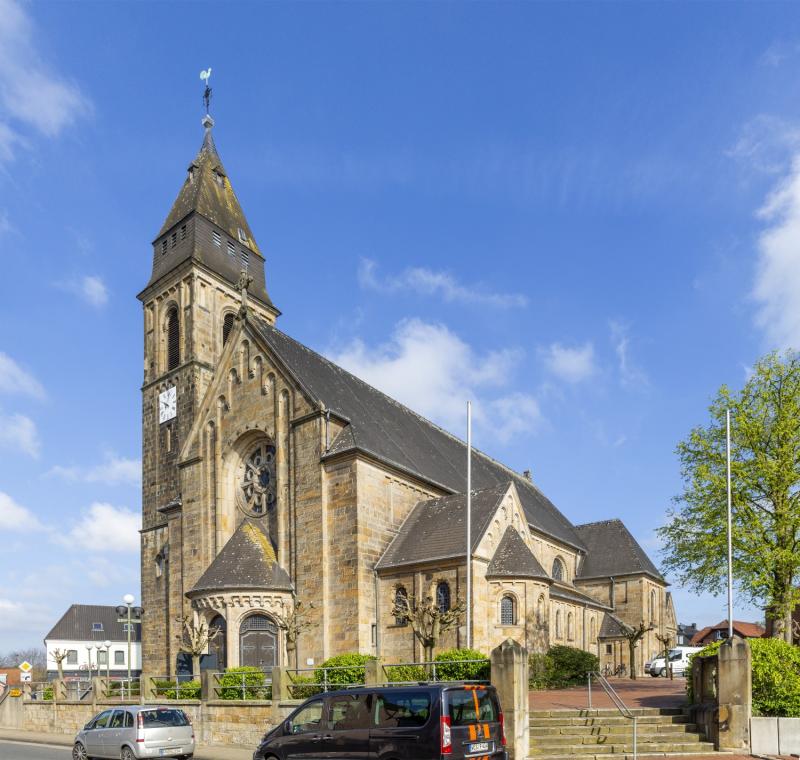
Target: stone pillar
x: 147, y: 689
x: 735, y: 694
x: 208, y: 680
x: 374, y: 673
x: 510, y: 677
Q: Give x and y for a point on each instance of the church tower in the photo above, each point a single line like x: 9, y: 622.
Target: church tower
x: 190, y: 306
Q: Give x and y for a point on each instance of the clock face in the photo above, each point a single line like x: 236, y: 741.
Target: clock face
x: 168, y: 404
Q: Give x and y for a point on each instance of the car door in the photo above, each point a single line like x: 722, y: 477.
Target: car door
x: 404, y: 725
x: 303, y: 733
x: 94, y: 736
x: 348, y: 725
x: 112, y: 735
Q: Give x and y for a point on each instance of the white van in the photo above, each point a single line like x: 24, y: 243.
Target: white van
x: 678, y: 660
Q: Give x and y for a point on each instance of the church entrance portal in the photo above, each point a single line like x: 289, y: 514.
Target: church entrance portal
x: 258, y: 642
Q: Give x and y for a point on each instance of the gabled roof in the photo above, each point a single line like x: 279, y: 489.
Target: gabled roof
x: 208, y: 191
x: 568, y: 593
x: 611, y: 627
x: 611, y: 550
x: 436, y: 529
x: 247, y: 561
x: 394, y: 434
x: 744, y: 629
x: 513, y: 559
x: 77, y: 622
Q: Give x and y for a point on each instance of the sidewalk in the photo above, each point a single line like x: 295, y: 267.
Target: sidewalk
x: 207, y: 752
x: 643, y: 692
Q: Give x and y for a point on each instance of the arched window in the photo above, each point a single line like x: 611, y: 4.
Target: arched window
x: 652, y: 606
x: 570, y: 631
x: 558, y: 624
x: 443, y: 596
x: 592, y: 632
x: 540, y: 611
x: 218, y: 644
x: 227, y: 326
x: 173, y: 339
x: 257, y: 485
x: 558, y: 570
x: 258, y: 642
x: 400, y: 604
x: 508, y: 611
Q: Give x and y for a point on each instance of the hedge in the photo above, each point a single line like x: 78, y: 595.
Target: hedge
x: 244, y: 683
x: 351, y: 669
x: 453, y: 670
x: 560, y: 667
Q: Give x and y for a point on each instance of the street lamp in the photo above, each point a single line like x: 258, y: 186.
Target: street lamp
x: 107, y: 645
x: 128, y: 614
x: 89, y: 649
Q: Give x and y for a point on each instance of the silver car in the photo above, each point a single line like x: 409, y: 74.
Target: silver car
x: 134, y: 732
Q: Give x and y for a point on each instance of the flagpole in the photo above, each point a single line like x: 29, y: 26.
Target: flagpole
x: 730, y: 526
x: 469, y: 525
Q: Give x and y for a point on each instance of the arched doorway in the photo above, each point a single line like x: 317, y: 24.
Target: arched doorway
x: 258, y: 642
x: 218, y: 646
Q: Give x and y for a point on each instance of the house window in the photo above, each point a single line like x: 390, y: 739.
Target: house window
x: 558, y: 570
x: 183, y: 232
x: 507, y: 610
x: 119, y: 657
x: 443, y: 596
x: 173, y: 339
x: 72, y: 657
x: 127, y: 627
x: 227, y: 326
x: 540, y: 611
x: 400, y: 604
x: 97, y: 627
x: 231, y: 249
x: 102, y: 657
x: 163, y: 246
x: 652, y: 606
x: 217, y: 239
x: 609, y: 649
x: 242, y: 235
x: 592, y: 631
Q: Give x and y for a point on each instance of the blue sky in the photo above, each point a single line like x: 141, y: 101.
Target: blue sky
x: 586, y: 217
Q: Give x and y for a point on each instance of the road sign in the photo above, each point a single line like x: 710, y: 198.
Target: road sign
x: 25, y: 666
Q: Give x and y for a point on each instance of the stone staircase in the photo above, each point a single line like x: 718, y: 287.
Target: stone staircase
x: 604, y: 734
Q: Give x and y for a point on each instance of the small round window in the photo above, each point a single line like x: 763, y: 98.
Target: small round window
x: 258, y: 492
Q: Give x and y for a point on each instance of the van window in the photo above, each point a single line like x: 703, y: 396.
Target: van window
x: 164, y: 717
x: 408, y: 710
x: 465, y: 706
x: 308, y: 719
x: 347, y: 712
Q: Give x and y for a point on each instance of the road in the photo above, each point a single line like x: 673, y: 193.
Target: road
x: 23, y: 751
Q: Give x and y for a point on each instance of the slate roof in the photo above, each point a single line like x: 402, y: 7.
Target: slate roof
x: 443, y: 523
x: 247, y: 561
x: 571, y: 594
x: 513, y: 559
x: 613, y: 551
x: 76, y: 625
x: 392, y: 433
x: 611, y: 627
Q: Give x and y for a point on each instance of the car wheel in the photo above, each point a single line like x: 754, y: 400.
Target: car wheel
x: 79, y: 752
x: 127, y: 754
x: 662, y: 673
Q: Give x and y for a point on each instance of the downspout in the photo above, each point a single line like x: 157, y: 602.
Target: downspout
x: 377, y: 616
x: 613, y: 595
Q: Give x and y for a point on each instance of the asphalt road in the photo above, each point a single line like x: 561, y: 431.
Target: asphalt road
x: 23, y: 751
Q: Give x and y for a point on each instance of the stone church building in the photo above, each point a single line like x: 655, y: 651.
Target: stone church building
x: 272, y: 475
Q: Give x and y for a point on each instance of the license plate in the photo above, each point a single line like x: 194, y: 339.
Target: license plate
x: 166, y: 752
x: 479, y: 748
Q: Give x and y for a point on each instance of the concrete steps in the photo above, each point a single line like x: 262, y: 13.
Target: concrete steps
x: 603, y: 734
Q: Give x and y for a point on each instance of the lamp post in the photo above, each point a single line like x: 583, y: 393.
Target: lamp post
x: 129, y: 614
x: 107, y: 645
x: 89, y: 650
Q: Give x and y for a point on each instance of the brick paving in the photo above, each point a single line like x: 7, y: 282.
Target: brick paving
x: 643, y: 692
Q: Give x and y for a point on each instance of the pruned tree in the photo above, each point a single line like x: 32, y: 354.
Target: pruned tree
x: 59, y: 655
x: 194, y: 638
x: 427, y: 620
x: 293, y: 622
x: 666, y: 641
x: 765, y: 468
x: 633, y: 635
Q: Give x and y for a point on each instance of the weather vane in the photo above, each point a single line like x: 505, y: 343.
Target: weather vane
x: 205, y: 76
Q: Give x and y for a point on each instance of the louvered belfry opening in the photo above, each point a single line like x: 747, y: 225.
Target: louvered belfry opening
x: 173, y: 340
x: 227, y: 326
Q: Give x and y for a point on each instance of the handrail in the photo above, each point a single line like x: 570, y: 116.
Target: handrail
x: 616, y: 699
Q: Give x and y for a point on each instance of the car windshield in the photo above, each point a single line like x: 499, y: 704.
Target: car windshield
x: 465, y: 706
x: 164, y: 717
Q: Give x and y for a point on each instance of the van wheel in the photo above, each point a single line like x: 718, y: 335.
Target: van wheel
x: 127, y: 754
x: 79, y: 752
x: 662, y: 673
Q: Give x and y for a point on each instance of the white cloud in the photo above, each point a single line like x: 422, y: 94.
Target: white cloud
x: 766, y: 144
x: 430, y: 369
x: 572, y: 365
x: 105, y: 528
x: 777, y: 280
x: 32, y: 97
x: 19, y: 432
x: 429, y: 283
x: 630, y: 375
x: 15, y: 517
x: 115, y: 470
x: 14, y: 379
x: 89, y: 288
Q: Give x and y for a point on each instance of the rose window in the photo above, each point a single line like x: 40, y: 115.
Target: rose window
x: 258, y: 484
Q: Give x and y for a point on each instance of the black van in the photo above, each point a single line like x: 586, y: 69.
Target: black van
x: 424, y: 722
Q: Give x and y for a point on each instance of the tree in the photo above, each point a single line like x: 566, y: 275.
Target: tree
x: 194, y: 638
x: 633, y: 636
x: 427, y: 621
x: 294, y: 622
x: 765, y: 467
x: 666, y: 641
x: 59, y: 655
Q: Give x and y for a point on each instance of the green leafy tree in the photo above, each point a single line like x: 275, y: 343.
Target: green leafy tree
x: 765, y: 466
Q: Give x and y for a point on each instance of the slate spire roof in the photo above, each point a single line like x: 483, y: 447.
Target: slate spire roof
x: 513, y: 559
x: 613, y: 551
x: 246, y: 562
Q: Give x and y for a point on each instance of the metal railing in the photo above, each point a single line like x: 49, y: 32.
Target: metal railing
x: 122, y: 689
x: 431, y: 671
x: 165, y: 687
x: 616, y: 700
x: 324, y: 679
x: 243, y: 685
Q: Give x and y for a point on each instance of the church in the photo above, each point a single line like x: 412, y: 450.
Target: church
x: 271, y: 477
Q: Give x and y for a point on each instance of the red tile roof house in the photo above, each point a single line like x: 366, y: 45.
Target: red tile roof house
x: 719, y: 631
